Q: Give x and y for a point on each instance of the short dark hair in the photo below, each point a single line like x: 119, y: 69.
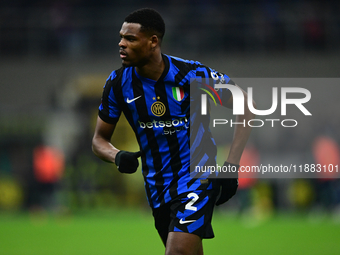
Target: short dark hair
x: 150, y: 20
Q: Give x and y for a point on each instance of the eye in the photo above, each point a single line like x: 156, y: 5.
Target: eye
x: 128, y: 38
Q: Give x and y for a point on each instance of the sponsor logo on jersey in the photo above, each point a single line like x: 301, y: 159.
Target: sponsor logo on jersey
x: 165, y: 124
x: 129, y: 101
x: 181, y: 221
x: 169, y: 127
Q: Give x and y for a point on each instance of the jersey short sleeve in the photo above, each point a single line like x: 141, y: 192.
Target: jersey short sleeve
x: 223, y: 94
x: 206, y: 79
x: 204, y: 82
x: 109, y: 110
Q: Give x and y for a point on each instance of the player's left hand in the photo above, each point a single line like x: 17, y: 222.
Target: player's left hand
x: 127, y: 162
x: 228, y: 186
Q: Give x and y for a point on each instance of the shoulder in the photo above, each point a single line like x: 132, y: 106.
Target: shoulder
x: 181, y: 63
x: 196, y: 68
x: 183, y: 70
x: 117, y: 77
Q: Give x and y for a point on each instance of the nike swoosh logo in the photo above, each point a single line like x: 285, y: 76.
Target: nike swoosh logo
x: 131, y: 100
x: 181, y: 221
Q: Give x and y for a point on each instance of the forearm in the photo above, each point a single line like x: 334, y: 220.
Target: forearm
x: 241, y: 135
x: 104, y: 150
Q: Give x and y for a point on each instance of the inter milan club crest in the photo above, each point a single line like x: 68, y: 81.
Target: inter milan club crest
x: 178, y: 93
x: 158, y: 108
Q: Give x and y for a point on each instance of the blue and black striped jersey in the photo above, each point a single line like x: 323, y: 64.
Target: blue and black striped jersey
x: 159, y: 113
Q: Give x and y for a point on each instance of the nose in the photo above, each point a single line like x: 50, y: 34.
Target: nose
x: 122, y: 43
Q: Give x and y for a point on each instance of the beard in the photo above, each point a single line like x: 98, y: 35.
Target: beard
x: 124, y: 64
x: 135, y: 63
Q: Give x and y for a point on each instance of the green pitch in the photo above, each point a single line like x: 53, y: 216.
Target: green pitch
x: 131, y: 232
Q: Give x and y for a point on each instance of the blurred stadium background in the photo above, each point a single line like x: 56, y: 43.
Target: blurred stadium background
x: 55, y: 57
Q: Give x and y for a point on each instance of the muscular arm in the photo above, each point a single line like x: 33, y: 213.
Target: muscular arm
x: 241, y: 133
x: 101, y: 142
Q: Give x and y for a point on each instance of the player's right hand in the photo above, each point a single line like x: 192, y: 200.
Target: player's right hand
x: 228, y: 186
x: 127, y: 162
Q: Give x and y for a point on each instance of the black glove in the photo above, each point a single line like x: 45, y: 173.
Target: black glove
x: 127, y: 162
x: 228, y: 186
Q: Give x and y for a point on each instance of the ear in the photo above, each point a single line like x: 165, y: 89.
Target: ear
x: 154, y: 41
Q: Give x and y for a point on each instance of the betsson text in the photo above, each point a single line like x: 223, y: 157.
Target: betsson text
x: 169, y: 126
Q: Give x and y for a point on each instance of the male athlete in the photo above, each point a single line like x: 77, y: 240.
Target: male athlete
x: 152, y: 89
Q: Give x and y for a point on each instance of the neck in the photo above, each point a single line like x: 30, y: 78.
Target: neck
x: 153, y: 69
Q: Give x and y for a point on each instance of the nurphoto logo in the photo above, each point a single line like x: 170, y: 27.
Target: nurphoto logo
x: 239, y: 105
